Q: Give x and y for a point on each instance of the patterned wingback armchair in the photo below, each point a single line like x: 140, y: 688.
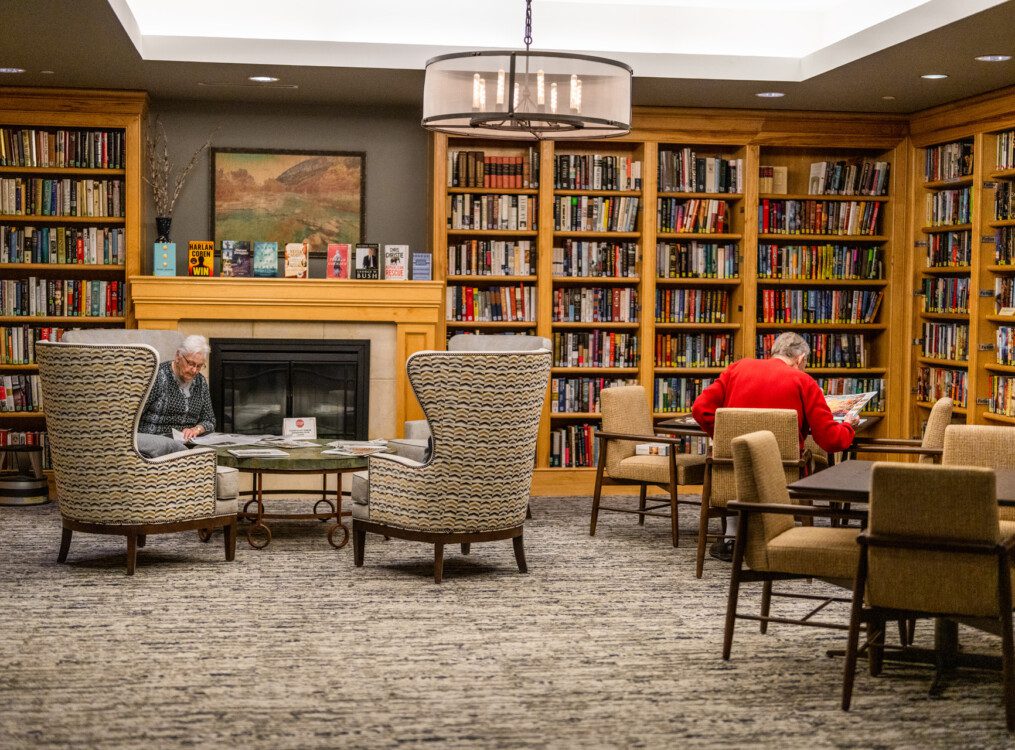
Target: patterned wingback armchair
x: 94, y: 394
x: 484, y: 410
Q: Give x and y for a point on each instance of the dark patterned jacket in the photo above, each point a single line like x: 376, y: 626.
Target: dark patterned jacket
x: 168, y: 409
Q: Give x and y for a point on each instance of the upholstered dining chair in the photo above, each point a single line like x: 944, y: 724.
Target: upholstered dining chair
x: 720, y: 486
x: 988, y: 446
x: 770, y: 543
x: 932, y: 548
x: 928, y: 448
x: 94, y: 394
x: 484, y: 410
x: 627, y: 421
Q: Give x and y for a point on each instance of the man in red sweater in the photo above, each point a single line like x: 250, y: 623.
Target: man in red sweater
x: 776, y: 383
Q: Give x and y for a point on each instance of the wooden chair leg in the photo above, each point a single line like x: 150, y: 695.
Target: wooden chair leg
x: 528, y: 511
x: 766, y: 605
x: 903, y: 632
x: 699, y: 564
x: 876, y: 644
x: 131, y: 553
x: 359, y: 540
x: 674, y: 514
x: 438, y: 561
x: 853, y: 639
x: 642, y: 499
x: 734, y: 595
x: 520, y: 554
x: 1008, y: 668
x: 466, y: 547
x: 64, y: 545
x: 229, y: 540
x: 142, y: 539
x: 597, y: 493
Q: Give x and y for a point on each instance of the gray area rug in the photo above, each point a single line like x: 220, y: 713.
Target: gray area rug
x: 607, y: 642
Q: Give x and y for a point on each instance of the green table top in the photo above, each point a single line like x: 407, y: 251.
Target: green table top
x: 299, y: 459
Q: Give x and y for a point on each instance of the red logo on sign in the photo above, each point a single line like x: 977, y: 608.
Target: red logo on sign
x: 299, y: 422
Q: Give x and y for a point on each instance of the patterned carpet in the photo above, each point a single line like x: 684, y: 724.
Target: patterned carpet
x: 607, y: 642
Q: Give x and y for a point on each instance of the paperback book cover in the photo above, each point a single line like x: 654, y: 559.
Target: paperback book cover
x: 367, y: 261
x: 296, y: 260
x: 338, y: 260
x: 266, y: 259
x: 236, y: 258
x: 164, y: 259
x: 200, y: 258
x: 422, y: 267
x: 396, y: 262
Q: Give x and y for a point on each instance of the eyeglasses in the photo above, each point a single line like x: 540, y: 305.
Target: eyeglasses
x: 190, y: 363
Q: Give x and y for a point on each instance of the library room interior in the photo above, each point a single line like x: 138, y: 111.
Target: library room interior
x: 507, y: 373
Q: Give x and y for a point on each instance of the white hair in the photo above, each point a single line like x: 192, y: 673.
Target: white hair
x: 790, y: 345
x: 194, y: 345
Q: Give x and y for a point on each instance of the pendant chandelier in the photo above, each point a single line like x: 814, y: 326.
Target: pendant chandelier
x: 527, y: 95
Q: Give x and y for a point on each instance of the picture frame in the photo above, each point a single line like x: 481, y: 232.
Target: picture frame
x: 284, y: 196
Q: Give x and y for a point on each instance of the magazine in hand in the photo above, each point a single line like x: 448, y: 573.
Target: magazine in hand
x: 846, y: 405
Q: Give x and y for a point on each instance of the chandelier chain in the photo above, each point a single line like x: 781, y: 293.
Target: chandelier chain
x: 528, y: 24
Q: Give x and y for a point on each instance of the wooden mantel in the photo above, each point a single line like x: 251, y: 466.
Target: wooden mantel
x: 416, y: 308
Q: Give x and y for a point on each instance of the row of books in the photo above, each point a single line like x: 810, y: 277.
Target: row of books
x: 596, y: 172
x: 827, y: 349
x: 40, y: 196
x: 693, y: 349
x: 586, y: 258
x: 773, y: 180
x: 574, y: 446
x: 595, y: 304
x: 492, y: 258
x: 691, y: 305
x: 1004, y: 246
x: 1005, y: 345
x: 818, y: 217
x: 61, y: 297
x: 947, y: 207
x: 945, y: 341
x: 949, y: 249
x: 683, y: 171
x: 837, y: 386
x: 779, y: 261
x: 1004, y: 292
x: 1004, y: 150
x: 933, y: 383
x: 677, y: 394
x: 478, y: 169
x: 87, y: 149
x: 595, y: 349
x: 491, y: 304
x: 848, y: 178
x: 819, y: 305
x: 580, y: 394
x: 1002, y: 395
x: 504, y: 212
x: 19, y: 393
x: 1004, y: 201
x: 28, y: 437
x: 949, y: 161
x: 581, y: 213
x: 17, y: 343
x: 946, y: 294
x: 693, y: 215
x: 76, y: 245
x: 697, y: 260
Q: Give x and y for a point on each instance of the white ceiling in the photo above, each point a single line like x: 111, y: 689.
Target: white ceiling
x: 776, y: 40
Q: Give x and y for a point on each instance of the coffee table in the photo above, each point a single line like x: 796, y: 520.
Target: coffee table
x: 298, y: 461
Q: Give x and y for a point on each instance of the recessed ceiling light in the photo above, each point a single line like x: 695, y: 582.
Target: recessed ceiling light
x: 12, y: 70
x: 993, y: 58
x: 262, y: 79
x: 888, y: 98
x: 934, y: 76
x: 770, y: 94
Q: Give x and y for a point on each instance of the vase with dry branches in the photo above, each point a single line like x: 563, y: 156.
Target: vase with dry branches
x: 165, y: 187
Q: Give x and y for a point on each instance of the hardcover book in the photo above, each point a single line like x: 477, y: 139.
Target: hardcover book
x: 422, y: 267
x: 338, y: 260
x: 236, y: 258
x: 367, y: 261
x: 296, y: 260
x: 200, y: 258
x: 266, y: 259
x: 396, y: 262
x: 164, y: 259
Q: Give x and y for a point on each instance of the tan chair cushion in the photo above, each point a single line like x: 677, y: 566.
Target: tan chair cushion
x: 625, y: 411
x: 814, y: 550
x: 656, y: 469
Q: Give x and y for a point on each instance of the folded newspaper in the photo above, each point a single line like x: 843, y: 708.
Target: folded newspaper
x: 258, y: 453
x: 356, y: 447
x: 847, y: 405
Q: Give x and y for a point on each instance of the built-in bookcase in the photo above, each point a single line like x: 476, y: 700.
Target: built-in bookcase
x: 70, y: 222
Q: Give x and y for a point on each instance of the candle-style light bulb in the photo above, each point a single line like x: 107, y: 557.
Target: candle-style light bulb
x: 482, y: 93
x: 475, y: 90
x: 540, y: 88
x: 516, y: 96
x: 500, y: 87
x: 553, y: 98
x: 576, y: 95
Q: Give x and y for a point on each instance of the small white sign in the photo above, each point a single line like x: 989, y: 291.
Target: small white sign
x: 300, y: 427
x: 1007, y: 311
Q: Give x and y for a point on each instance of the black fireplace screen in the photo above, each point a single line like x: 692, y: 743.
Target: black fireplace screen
x: 256, y: 383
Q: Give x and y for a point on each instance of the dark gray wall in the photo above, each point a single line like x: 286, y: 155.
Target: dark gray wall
x: 393, y: 140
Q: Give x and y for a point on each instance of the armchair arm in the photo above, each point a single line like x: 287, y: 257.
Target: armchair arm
x: 897, y: 448
x: 857, y: 441
x: 789, y: 463
x: 599, y: 435
x: 810, y: 511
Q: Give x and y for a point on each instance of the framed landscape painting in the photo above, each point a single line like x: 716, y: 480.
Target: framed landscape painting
x: 288, y: 196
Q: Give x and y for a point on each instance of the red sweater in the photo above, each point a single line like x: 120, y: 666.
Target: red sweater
x: 773, y: 384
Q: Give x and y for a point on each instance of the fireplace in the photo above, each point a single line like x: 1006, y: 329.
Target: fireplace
x: 256, y: 383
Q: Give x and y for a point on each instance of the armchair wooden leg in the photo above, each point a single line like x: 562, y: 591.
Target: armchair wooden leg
x: 597, y: 493
x: 876, y: 644
x: 1008, y: 668
x: 699, y: 564
x: 466, y: 547
x: 64, y: 545
x: 734, y: 595
x: 359, y: 540
x: 642, y: 493
x: 438, y: 561
x: 766, y: 604
x: 674, y: 514
x: 853, y: 639
x: 131, y: 553
x: 142, y: 539
x: 520, y: 554
x: 229, y: 538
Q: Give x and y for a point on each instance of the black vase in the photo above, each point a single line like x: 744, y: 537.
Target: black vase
x: 162, y: 224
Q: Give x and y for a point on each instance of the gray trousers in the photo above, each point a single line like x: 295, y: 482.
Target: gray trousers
x: 153, y: 446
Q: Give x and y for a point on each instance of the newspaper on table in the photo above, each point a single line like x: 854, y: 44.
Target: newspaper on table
x: 219, y: 439
x: 846, y: 405
x: 258, y: 453
x: 285, y: 442
x: 356, y: 447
